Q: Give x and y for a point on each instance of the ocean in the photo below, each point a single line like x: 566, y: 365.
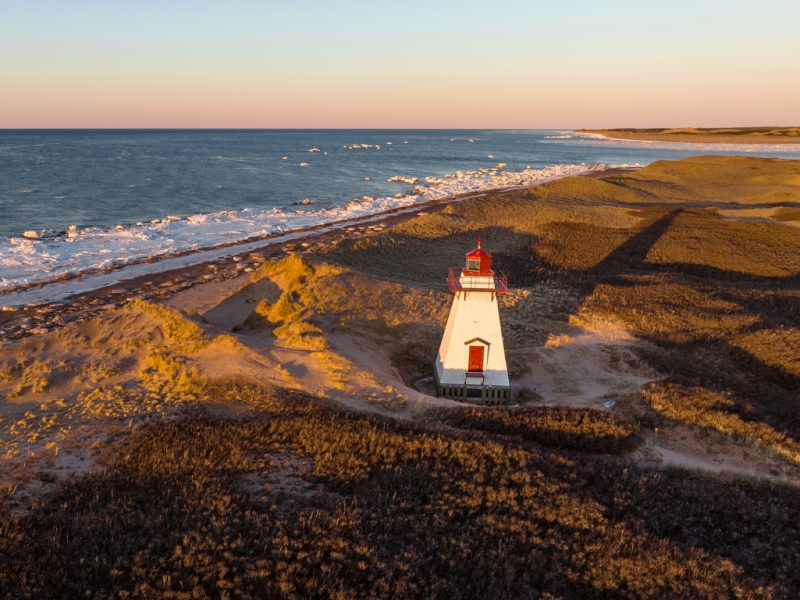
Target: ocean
x: 84, y: 200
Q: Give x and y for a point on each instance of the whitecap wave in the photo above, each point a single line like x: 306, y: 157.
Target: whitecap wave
x: 25, y: 261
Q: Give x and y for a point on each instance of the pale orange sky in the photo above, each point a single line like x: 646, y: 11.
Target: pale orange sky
x: 86, y: 64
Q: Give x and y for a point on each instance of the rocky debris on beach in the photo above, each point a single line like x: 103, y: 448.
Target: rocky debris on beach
x: 40, y: 317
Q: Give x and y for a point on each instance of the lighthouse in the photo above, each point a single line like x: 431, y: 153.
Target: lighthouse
x: 471, y: 365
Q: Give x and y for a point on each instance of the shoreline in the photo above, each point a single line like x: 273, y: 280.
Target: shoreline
x: 43, y: 311
x: 691, y: 138
x: 40, y: 259
x: 18, y: 295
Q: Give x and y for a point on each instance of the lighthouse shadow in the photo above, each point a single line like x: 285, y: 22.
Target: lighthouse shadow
x: 708, y: 329
x: 551, y: 355
x: 526, y: 266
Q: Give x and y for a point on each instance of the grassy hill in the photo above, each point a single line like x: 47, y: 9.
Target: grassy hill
x: 256, y: 490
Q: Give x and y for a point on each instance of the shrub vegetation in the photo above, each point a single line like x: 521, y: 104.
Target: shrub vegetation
x: 558, y: 427
x: 304, y: 500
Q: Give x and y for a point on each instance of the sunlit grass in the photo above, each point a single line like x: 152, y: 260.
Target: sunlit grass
x: 380, y: 508
x: 718, y: 411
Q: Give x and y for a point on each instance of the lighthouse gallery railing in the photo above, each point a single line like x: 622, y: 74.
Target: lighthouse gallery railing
x: 500, y: 282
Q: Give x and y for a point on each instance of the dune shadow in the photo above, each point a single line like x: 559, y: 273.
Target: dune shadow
x: 766, y: 392
x: 304, y: 498
x: 295, y: 369
x: 674, y: 505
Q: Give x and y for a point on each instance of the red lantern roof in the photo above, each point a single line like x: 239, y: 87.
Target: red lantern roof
x: 479, y: 262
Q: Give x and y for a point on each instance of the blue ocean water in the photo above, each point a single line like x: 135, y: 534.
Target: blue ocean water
x: 104, y: 182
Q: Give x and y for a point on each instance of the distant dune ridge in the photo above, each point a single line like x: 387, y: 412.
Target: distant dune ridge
x: 731, y: 135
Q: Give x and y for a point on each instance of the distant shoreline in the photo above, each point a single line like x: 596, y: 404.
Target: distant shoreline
x: 730, y: 135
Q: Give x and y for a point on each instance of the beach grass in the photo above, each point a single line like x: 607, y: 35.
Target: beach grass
x: 301, y: 497
x: 717, y: 297
x: 306, y: 500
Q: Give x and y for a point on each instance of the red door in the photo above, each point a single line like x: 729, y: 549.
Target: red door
x: 475, y: 358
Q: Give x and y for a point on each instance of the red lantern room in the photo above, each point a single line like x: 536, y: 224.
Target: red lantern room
x: 479, y: 267
x: 479, y: 262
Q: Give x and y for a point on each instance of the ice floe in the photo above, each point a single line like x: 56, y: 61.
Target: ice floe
x: 53, y: 256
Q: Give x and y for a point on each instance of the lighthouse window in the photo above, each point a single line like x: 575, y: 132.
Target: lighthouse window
x: 473, y: 265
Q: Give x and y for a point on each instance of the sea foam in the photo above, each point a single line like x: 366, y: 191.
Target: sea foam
x: 31, y: 260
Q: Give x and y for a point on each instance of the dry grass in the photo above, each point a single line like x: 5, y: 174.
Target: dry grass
x: 559, y: 427
x: 787, y: 214
x: 314, y: 291
x: 30, y: 375
x: 717, y: 299
x: 180, y: 332
x: 389, y: 509
x: 718, y: 411
x: 778, y: 348
x: 726, y: 135
x: 578, y: 223
x: 725, y: 338
x: 339, y: 369
x: 130, y: 363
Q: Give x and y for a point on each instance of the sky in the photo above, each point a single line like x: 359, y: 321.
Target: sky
x: 425, y: 64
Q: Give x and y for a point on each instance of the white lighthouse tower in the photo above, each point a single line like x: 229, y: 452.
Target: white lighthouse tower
x: 471, y: 365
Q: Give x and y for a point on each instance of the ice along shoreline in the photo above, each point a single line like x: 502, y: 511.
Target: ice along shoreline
x: 32, y: 285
